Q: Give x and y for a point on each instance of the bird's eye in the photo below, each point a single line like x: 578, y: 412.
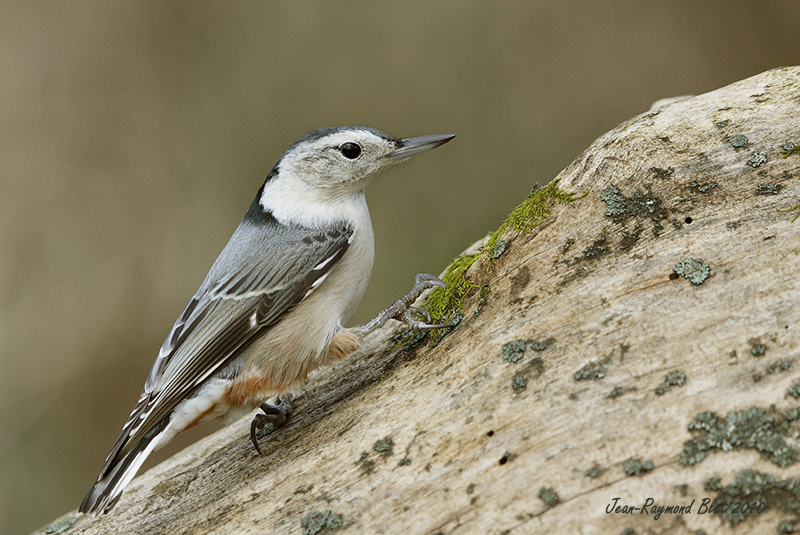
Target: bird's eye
x: 350, y: 150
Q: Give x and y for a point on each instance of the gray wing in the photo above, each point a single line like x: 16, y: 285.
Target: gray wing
x: 265, y: 270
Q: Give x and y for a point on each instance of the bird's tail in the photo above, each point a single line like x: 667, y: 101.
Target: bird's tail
x: 108, y: 488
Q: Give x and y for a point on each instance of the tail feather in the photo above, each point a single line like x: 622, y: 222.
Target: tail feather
x: 108, y: 488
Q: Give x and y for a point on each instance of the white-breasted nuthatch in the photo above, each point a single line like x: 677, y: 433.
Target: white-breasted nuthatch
x: 273, y: 305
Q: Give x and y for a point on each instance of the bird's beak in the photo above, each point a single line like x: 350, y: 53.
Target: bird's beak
x: 413, y: 145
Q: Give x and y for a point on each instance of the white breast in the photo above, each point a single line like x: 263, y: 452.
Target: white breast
x: 299, y: 342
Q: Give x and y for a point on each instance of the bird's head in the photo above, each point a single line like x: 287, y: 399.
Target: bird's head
x: 322, y: 176
x: 344, y: 160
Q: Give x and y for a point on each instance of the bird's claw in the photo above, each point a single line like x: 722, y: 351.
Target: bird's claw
x: 422, y: 282
x: 272, y: 414
x: 425, y: 281
x: 402, y: 309
x: 406, y: 318
x: 419, y: 313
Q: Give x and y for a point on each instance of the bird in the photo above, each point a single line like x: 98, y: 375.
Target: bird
x: 273, y: 305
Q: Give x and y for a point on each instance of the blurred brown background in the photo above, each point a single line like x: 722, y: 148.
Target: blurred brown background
x: 134, y: 136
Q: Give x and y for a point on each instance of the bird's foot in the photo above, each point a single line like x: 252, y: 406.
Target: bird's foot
x: 272, y: 414
x: 403, y: 310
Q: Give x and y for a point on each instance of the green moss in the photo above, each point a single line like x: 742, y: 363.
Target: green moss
x: 787, y: 151
x: 410, y: 338
x: 524, y: 218
x: 537, y: 207
x: 794, y: 208
x: 457, y: 287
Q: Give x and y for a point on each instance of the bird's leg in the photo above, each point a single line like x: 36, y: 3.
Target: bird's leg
x: 402, y: 310
x: 273, y: 414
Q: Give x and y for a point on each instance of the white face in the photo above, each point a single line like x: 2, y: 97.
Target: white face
x: 341, y: 163
x: 322, y: 177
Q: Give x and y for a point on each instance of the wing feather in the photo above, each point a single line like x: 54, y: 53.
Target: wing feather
x: 262, y: 273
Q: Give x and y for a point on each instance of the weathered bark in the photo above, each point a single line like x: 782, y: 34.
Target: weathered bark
x: 455, y: 439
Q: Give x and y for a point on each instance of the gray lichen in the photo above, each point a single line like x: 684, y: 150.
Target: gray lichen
x: 674, y: 378
x: 757, y: 349
x: 630, y: 239
x: 663, y: 174
x: 541, y: 345
x: 596, y: 249
x: 635, y: 467
x: 620, y: 391
x: 757, y: 159
x: 384, y: 446
x: 514, y: 351
x: 693, y: 269
x: 778, y: 367
x: 498, y: 249
x: 621, y: 208
x: 754, y: 428
x: 595, y: 471
x: 592, y: 371
x: 754, y: 487
x: 703, y: 188
x: 738, y: 141
x: 315, y: 521
x: 61, y: 525
x: 549, y: 496
x: 519, y: 382
x: 768, y: 189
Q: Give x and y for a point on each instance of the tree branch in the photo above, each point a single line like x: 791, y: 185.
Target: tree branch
x: 665, y: 291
